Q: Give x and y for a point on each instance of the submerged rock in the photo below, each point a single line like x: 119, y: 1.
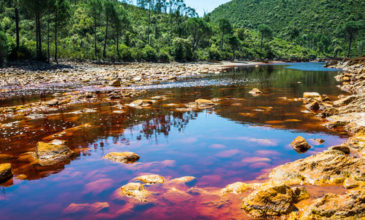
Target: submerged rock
x: 86, y: 207
x: 204, y: 102
x: 52, y: 152
x: 141, y: 103
x: 136, y: 191
x: 300, y: 145
x: 270, y: 202
x: 236, y: 188
x: 255, y: 92
x: 312, y: 95
x: 328, y: 167
x: 5, y: 172
x: 331, y: 206
x: 122, y: 157
x: 151, y: 179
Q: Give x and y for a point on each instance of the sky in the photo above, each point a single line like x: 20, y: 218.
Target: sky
x: 204, y: 5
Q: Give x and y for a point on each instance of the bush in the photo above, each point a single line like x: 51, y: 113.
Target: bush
x: 214, y: 53
x: 182, y: 49
x: 3, y: 47
x: 201, y: 55
x: 164, y: 56
x: 125, y: 53
x: 149, y: 54
x: 136, y: 54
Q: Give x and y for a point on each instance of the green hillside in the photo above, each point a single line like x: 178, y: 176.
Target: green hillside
x: 316, y: 24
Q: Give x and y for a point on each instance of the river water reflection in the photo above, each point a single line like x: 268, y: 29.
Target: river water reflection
x: 239, y: 139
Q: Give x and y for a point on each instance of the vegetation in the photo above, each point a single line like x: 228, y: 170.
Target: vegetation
x: 330, y: 28
x: 162, y: 30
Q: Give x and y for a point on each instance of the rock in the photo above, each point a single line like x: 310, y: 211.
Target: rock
x: 300, y: 145
x: 312, y: 95
x: 301, y: 193
x: 318, y: 141
x: 52, y: 152
x: 141, y: 103
x: 270, y: 202
x: 204, y: 102
x: 255, y: 92
x: 185, y: 179
x: 5, y: 172
x: 313, y: 106
x: 151, y: 179
x: 341, y: 148
x: 344, y: 101
x: 116, y: 83
x: 236, y: 188
x: 86, y: 207
x: 136, y: 191
x: 331, y: 206
x: 350, y: 183
x: 123, y: 157
x: 328, y: 167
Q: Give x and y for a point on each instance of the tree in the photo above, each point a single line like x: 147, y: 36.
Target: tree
x: 109, y: 10
x: 95, y: 8
x: 119, y: 21
x: 266, y: 32
x: 61, y: 13
x: 3, y: 46
x: 235, y: 43
x: 198, y: 29
x: 225, y: 27
x: 36, y: 9
x: 351, y: 29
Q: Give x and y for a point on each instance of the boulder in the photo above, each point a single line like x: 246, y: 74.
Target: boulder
x: 5, y: 172
x: 331, y: 206
x: 122, y: 157
x: 151, y: 179
x: 328, y: 167
x: 136, y: 191
x: 52, y: 152
x: 270, y: 202
x: 300, y: 145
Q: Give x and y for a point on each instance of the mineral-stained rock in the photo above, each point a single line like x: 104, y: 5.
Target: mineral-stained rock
x: 116, y: 83
x: 318, y: 140
x: 136, y: 191
x: 236, y: 188
x: 301, y: 193
x: 5, y: 172
x: 330, y: 206
x: 300, y: 145
x: 312, y: 95
x: 313, y: 106
x: 328, y: 167
x: 351, y: 183
x: 141, y: 103
x: 52, y: 152
x: 255, y: 92
x: 269, y: 202
x: 344, y: 101
x: 204, y: 102
x: 341, y: 148
x: 184, y: 179
x: 123, y: 157
x: 151, y: 179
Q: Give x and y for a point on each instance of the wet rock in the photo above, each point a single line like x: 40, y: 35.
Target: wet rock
x: 184, y: 179
x: 122, y: 157
x: 318, y: 141
x: 301, y: 193
x: 5, y: 172
x: 116, y: 83
x: 204, y: 102
x: 328, y: 167
x: 331, y: 206
x: 312, y: 95
x: 141, y: 103
x: 270, y: 202
x: 341, y: 148
x: 151, y: 179
x: 313, y: 106
x: 86, y: 207
x: 236, y: 188
x: 350, y: 183
x: 344, y: 101
x: 300, y: 145
x: 52, y: 152
x: 136, y: 191
x: 255, y: 92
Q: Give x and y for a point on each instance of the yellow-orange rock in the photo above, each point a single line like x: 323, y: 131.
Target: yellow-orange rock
x: 5, y: 172
x: 122, y: 157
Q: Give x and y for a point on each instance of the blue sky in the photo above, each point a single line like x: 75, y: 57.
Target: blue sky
x: 204, y: 5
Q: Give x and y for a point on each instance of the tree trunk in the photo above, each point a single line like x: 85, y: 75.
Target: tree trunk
x: 222, y: 41
x: 48, y: 36
x: 17, y: 28
x: 95, y: 49
x: 349, y: 49
x: 149, y: 24
x: 262, y: 39
x: 38, y: 35
x: 56, y: 39
x: 118, y: 45
x: 106, y: 35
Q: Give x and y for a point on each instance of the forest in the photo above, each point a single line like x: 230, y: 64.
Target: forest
x: 162, y: 31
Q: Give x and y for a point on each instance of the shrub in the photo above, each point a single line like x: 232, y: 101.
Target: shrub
x: 214, y: 53
x: 182, y: 49
x: 164, y: 56
x: 136, y: 54
x: 3, y: 47
x: 149, y: 54
x: 125, y: 53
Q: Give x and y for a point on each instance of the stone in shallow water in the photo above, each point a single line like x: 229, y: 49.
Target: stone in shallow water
x: 236, y: 188
x: 312, y: 95
x: 136, y: 191
x: 122, y: 157
x: 300, y: 145
x: 5, y: 172
x: 141, y: 103
x: 151, y: 179
x: 204, y: 102
x: 269, y: 202
x: 255, y: 92
x: 52, y: 152
x: 86, y: 207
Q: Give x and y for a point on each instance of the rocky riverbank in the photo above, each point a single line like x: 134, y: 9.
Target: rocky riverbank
x: 340, y: 166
